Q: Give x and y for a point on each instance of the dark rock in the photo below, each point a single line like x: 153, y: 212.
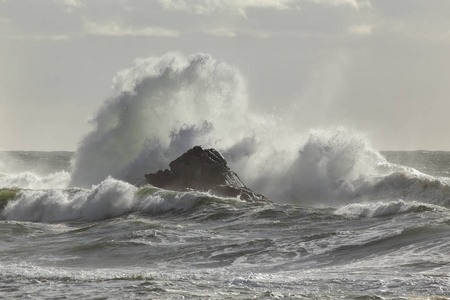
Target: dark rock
x: 203, y: 170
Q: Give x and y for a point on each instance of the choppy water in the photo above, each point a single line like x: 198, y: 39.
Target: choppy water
x: 118, y: 241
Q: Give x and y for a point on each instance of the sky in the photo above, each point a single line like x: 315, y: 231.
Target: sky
x: 379, y: 67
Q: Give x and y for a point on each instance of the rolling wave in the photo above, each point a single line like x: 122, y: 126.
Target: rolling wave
x: 165, y: 105
x: 109, y: 199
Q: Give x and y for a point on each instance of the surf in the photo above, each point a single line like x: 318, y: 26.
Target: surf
x: 162, y: 106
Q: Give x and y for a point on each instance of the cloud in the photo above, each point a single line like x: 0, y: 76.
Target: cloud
x: 71, y: 5
x: 212, y: 6
x: 74, y: 3
x: 352, y: 3
x: 229, y: 32
x: 114, y: 29
x: 363, y: 29
x: 221, y: 31
x: 59, y: 37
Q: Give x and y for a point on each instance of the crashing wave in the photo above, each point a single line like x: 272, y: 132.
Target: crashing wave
x: 165, y: 105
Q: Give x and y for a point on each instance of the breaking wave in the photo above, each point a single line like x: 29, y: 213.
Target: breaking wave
x: 29, y: 180
x: 163, y: 106
x: 109, y: 199
x: 166, y: 105
x: 385, y: 208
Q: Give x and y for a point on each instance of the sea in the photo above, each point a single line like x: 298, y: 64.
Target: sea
x: 120, y: 241
x: 345, y: 221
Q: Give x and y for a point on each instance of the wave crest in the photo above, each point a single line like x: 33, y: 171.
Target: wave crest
x: 385, y: 208
x: 29, y: 180
x: 109, y: 199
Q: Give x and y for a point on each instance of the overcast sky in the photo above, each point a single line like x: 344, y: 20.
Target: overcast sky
x: 378, y: 66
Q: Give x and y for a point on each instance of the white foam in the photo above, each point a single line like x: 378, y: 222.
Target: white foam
x: 32, y: 271
x: 111, y: 198
x: 29, y: 180
x: 108, y: 199
x: 330, y: 166
x: 383, y: 208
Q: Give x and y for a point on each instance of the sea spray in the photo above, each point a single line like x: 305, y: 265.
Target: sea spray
x: 163, y: 107
x: 29, y: 180
x: 166, y: 105
x: 328, y: 168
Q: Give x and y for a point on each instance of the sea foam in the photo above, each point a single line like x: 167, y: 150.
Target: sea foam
x: 385, y: 208
x: 109, y: 199
x: 29, y: 180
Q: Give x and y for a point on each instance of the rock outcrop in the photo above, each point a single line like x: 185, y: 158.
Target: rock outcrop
x: 203, y: 170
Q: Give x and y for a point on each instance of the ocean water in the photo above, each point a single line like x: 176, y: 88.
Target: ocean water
x: 345, y: 222
x: 119, y: 241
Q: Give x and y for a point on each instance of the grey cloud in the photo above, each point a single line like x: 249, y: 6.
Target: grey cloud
x: 240, y: 6
x: 214, y: 6
x: 116, y: 29
x: 71, y: 5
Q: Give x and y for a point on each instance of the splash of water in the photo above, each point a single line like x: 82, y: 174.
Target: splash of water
x: 163, y: 106
x: 29, y: 180
x: 329, y: 167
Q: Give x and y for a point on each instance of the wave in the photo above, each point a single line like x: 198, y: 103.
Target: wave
x: 29, y: 180
x: 408, y: 184
x: 163, y: 106
x: 109, y: 199
x: 114, y: 198
x: 386, y: 208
